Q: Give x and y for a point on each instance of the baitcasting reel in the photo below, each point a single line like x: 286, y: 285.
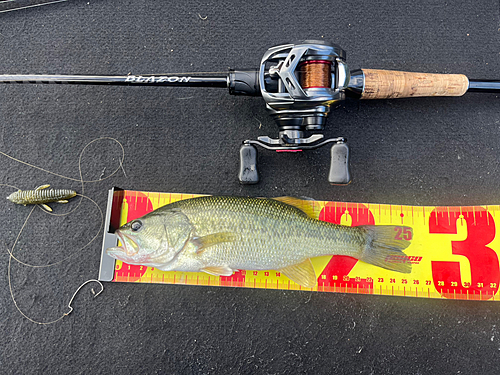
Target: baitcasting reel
x: 299, y: 83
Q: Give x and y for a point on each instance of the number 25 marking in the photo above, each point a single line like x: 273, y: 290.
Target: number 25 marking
x: 403, y: 233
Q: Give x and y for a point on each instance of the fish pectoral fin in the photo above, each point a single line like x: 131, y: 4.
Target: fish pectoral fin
x: 46, y: 207
x: 302, y: 273
x: 41, y: 187
x: 309, y: 207
x: 63, y: 201
x: 218, y: 270
x: 202, y: 243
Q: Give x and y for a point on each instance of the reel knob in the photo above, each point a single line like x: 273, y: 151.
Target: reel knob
x: 248, y: 165
x: 339, y: 165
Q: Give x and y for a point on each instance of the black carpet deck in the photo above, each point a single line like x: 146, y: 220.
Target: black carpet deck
x: 423, y: 151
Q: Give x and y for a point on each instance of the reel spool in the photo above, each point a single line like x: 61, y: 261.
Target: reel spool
x: 299, y: 83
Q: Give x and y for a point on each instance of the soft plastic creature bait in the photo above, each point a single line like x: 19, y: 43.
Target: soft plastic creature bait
x: 42, y: 196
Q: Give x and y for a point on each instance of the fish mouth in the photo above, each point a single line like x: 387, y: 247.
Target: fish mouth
x: 130, y: 253
x: 128, y: 249
x: 115, y: 252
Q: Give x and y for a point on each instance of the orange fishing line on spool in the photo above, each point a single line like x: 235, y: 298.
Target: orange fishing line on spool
x: 315, y: 74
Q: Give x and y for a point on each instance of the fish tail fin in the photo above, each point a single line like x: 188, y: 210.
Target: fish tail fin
x: 385, y: 245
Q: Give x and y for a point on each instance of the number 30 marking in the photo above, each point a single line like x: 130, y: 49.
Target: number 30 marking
x: 483, y: 260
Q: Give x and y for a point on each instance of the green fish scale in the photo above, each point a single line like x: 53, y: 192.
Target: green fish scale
x: 269, y: 233
x: 43, y: 196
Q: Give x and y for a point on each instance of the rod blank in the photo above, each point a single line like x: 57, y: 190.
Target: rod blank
x: 129, y: 80
x: 484, y: 85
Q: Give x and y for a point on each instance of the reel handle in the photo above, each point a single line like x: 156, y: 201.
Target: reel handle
x: 390, y: 84
x: 248, y: 165
x: 339, y: 165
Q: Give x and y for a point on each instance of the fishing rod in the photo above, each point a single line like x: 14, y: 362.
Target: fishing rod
x: 299, y: 83
x: 11, y: 5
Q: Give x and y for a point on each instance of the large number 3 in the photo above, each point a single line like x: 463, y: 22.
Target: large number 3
x: 484, y: 266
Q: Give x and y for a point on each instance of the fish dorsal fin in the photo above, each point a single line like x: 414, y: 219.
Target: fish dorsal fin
x: 202, y: 243
x: 41, y: 187
x: 218, y: 270
x: 309, y: 207
x: 302, y: 273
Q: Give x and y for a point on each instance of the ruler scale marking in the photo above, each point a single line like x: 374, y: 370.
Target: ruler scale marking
x: 362, y: 277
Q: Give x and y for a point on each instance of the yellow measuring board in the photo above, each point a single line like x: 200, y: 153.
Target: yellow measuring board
x: 453, y: 251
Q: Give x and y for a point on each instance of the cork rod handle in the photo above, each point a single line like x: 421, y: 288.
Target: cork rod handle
x: 388, y: 84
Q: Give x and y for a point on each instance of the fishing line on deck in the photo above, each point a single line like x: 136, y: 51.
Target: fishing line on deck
x: 70, y: 301
x: 82, y: 196
x: 11, y: 5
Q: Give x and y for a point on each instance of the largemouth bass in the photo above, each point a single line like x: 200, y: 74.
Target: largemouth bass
x: 221, y: 235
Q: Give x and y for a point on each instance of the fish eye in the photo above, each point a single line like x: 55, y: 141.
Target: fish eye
x: 136, y: 225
